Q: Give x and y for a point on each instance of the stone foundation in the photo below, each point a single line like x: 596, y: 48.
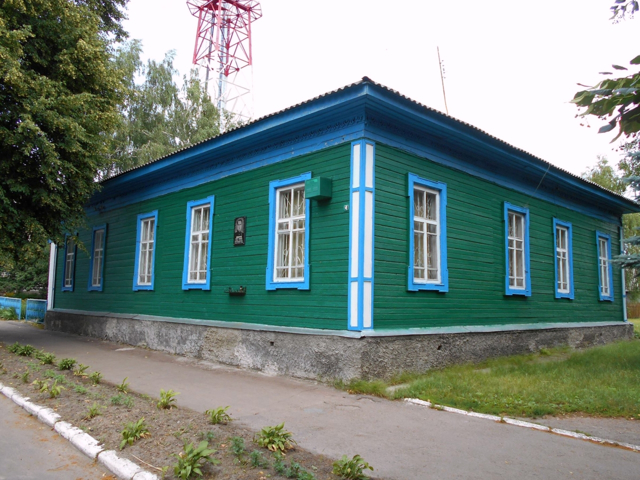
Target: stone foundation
x: 332, y: 355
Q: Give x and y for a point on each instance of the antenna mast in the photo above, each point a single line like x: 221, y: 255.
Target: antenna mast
x: 223, y: 49
x: 444, y: 94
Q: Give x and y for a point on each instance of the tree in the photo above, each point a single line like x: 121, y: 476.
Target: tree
x: 616, y: 100
x: 158, y: 117
x: 31, y: 275
x: 59, y: 93
x: 606, y: 176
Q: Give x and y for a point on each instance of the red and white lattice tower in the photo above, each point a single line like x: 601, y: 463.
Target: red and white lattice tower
x: 223, y: 49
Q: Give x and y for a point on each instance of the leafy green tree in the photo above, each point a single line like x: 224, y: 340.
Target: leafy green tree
x: 616, y: 100
x: 606, y: 176
x: 59, y: 92
x: 157, y: 116
x: 31, y: 275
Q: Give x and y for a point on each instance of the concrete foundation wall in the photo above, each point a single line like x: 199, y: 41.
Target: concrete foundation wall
x: 318, y: 356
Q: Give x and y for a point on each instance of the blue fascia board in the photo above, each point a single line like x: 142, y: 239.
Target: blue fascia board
x: 286, y: 123
x: 466, y: 148
x: 107, y: 199
x: 420, y: 118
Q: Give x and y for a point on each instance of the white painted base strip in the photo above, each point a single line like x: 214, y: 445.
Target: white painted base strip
x: 520, y: 423
x: 120, y: 467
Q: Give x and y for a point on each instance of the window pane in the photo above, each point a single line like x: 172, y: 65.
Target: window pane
x: 418, y: 203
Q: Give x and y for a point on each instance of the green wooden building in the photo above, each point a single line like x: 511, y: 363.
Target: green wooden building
x: 356, y: 234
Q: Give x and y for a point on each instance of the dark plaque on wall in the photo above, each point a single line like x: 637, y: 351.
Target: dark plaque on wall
x: 239, y: 231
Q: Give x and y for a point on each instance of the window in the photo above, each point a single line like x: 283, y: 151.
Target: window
x: 70, y: 250
x: 96, y: 266
x: 518, y: 278
x: 428, y: 237
x: 288, y: 258
x: 564, y: 259
x: 197, y: 250
x: 145, y: 251
x: 605, y: 269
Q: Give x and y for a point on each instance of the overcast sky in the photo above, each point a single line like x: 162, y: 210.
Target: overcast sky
x: 511, y: 67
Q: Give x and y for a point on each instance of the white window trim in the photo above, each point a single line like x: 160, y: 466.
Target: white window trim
x: 605, y: 267
x: 93, y: 285
x: 524, y: 213
x: 68, y: 277
x: 568, y: 229
x: 440, y: 190
x: 187, y: 283
x: 276, y: 186
x: 137, y: 284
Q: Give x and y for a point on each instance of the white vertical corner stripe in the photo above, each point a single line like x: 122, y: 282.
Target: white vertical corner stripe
x: 356, y: 166
x: 368, y: 234
x: 354, y: 305
x: 355, y: 233
x: 369, y: 166
x: 366, y: 305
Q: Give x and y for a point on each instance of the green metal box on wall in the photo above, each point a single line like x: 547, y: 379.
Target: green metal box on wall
x: 318, y: 188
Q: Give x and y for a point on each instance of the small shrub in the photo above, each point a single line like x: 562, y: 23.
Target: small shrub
x: 66, y: 364
x: 191, y: 459
x: 257, y: 460
x: 275, y: 438
x: 55, y: 390
x: 25, y: 377
x: 133, y: 431
x: 351, y: 469
x: 46, y: 358
x: 26, y: 350
x: 80, y: 370
x: 208, y: 436
x: 80, y: 389
x: 124, y: 386
x: 238, y: 448
x: 14, y: 348
x: 8, y: 314
x: 278, y: 464
x: 37, y: 383
x: 95, y: 378
x: 120, y: 399
x: 219, y: 415
x: 167, y: 399
x: 94, y: 411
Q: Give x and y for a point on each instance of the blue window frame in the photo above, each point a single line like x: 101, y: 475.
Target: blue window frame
x: 96, y: 262
x: 517, y: 261
x: 144, y: 269
x: 196, y: 274
x: 605, y: 268
x: 563, y: 264
x: 428, y: 235
x: 69, y: 267
x: 289, y: 227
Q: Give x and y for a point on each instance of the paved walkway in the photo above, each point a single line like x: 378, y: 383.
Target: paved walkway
x: 402, y: 441
x: 30, y: 450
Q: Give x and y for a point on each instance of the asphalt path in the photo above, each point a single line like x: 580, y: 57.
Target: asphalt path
x: 401, y: 441
x: 30, y: 450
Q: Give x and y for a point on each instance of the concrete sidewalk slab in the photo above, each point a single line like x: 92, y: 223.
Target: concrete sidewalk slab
x: 401, y: 441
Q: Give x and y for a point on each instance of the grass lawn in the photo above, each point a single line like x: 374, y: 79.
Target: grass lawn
x: 601, y: 381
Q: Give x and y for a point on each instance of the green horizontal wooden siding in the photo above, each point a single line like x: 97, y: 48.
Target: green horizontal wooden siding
x: 476, y: 255
x: 246, y: 194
